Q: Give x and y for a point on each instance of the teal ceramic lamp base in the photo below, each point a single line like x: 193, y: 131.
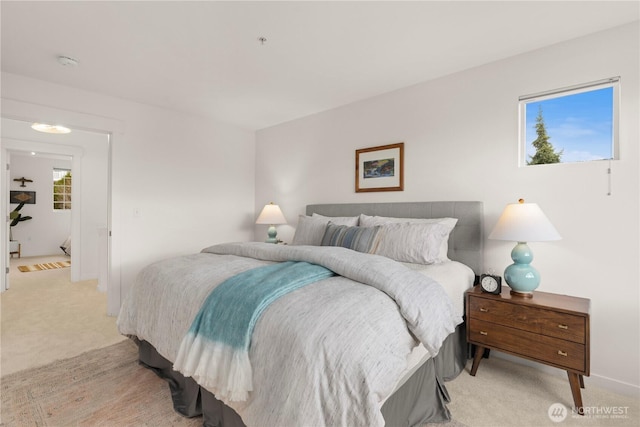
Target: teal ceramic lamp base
x: 521, y: 277
x: 272, y: 232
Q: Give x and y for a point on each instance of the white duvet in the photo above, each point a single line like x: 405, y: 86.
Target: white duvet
x: 324, y: 355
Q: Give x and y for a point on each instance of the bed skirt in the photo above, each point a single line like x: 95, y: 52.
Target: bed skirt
x: 422, y: 398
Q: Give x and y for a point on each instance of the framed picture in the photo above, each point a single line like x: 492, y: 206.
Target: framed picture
x: 380, y: 168
x: 26, y: 197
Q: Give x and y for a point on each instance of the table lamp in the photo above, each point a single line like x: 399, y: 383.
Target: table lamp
x: 272, y: 215
x: 523, y: 222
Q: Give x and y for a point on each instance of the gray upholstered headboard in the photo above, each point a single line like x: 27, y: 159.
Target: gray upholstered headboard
x: 465, y: 242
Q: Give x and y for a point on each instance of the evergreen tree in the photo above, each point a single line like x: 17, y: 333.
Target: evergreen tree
x: 545, y: 153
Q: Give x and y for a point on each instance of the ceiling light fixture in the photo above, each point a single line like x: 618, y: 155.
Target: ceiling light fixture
x: 67, y: 61
x: 43, y: 127
x: 262, y: 40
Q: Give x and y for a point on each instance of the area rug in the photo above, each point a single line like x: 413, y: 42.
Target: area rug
x: 103, y: 387
x: 45, y: 266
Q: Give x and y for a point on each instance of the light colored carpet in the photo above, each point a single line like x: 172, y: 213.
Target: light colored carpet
x: 504, y: 393
x: 45, y: 317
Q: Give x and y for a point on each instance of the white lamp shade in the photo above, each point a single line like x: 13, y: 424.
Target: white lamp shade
x: 524, y: 222
x: 272, y: 215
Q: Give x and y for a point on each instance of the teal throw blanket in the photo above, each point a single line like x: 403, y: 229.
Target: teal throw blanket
x: 220, y: 335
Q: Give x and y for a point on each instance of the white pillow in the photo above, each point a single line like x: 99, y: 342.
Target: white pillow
x: 370, y: 221
x: 418, y: 243
x: 351, y: 221
x: 450, y: 223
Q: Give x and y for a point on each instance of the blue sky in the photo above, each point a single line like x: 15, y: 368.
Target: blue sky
x: 580, y: 124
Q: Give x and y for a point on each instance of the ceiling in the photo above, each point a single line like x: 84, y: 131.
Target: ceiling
x: 205, y: 57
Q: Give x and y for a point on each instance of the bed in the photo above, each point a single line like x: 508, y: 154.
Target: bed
x: 370, y: 345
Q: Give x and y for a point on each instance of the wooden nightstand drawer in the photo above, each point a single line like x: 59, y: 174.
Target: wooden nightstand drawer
x: 546, y: 322
x: 560, y: 353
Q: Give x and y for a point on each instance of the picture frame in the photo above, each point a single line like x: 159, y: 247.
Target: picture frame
x: 380, y: 168
x: 26, y: 197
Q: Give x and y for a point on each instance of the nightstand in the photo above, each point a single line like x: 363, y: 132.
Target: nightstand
x: 547, y: 328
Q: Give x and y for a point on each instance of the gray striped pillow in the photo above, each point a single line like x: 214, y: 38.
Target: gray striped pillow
x: 361, y: 239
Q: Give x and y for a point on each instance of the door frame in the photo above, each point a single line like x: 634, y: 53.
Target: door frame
x: 113, y: 129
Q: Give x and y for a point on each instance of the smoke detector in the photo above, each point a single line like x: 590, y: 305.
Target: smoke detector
x: 67, y: 61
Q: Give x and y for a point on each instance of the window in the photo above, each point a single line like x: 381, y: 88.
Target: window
x: 569, y: 125
x: 61, y: 189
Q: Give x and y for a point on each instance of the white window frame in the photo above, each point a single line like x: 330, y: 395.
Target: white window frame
x: 70, y: 202
x: 613, y: 82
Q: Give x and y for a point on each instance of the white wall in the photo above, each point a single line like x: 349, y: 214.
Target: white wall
x: 461, y: 134
x: 43, y: 234
x: 179, y: 182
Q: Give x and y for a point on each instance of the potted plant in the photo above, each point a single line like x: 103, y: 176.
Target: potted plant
x: 16, y: 217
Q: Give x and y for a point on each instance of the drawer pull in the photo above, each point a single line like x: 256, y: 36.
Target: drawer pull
x: 484, y: 310
x: 483, y: 333
x: 561, y: 326
x: 562, y: 353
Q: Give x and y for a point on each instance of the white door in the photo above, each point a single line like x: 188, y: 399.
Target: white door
x: 6, y: 160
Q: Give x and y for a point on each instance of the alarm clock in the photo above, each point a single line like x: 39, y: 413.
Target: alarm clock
x: 491, y: 284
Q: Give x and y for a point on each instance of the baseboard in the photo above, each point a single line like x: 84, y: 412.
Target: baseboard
x: 614, y: 385
x: 595, y: 380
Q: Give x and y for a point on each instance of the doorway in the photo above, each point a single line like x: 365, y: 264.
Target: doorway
x: 38, y: 226
x: 89, y: 154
